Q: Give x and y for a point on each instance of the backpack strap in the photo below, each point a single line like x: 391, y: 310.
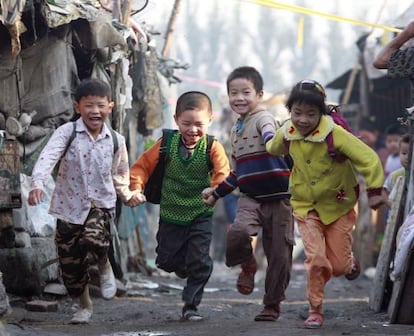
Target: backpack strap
x: 164, y: 140
x: 331, y: 148
x: 210, y: 141
x: 114, y: 140
x: 71, y: 138
x: 333, y: 153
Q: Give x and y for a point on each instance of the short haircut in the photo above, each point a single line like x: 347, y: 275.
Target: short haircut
x: 395, y: 129
x: 193, y: 100
x: 308, y: 92
x: 92, y: 87
x: 249, y: 73
x: 405, y: 138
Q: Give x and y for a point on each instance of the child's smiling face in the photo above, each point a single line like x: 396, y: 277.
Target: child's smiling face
x: 305, y: 117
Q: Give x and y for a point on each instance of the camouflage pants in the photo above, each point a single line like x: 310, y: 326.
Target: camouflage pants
x: 81, y: 245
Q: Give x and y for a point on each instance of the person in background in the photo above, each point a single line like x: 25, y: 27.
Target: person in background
x: 398, y: 55
x: 185, y: 223
x: 393, y: 135
x: 369, y: 134
x: 89, y: 178
x: 390, y: 181
x: 264, y: 200
x: 324, y: 188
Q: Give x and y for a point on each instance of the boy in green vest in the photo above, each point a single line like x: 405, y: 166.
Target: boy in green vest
x: 185, y: 223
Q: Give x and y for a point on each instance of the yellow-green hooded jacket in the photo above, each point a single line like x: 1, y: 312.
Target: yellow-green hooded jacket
x: 320, y: 182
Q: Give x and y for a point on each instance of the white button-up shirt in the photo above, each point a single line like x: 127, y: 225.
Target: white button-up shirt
x: 89, y: 172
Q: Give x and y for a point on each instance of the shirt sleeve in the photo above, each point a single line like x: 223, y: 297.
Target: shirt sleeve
x: 120, y: 171
x: 143, y: 167
x: 364, y: 159
x: 276, y: 145
x: 267, y: 127
x: 50, y: 155
x: 388, y: 184
x: 401, y: 63
x: 220, y: 162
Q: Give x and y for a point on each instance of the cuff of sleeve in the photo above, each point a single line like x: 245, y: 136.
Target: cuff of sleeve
x: 268, y: 136
x: 374, y: 192
x: 215, y: 195
x: 36, y: 185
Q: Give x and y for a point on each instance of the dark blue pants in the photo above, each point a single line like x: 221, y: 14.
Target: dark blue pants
x: 184, y: 249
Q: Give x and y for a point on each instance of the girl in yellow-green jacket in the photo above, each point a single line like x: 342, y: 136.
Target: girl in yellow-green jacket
x: 324, y: 188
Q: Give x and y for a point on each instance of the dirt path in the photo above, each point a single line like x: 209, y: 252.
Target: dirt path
x: 152, y: 307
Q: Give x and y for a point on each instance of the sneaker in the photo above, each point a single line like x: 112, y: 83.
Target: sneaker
x: 82, y: 316
x: 355, y: 270
x: 108, y: 284
x: 190, y: 313
x: 245, y: 281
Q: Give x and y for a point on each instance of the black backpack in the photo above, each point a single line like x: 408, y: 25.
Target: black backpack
x: 152, y: 189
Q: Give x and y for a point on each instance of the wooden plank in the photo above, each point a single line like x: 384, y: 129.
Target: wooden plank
x: 406, y: 308
x: 386, y: 255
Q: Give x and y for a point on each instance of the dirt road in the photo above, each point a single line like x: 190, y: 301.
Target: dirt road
x: 152, y: 307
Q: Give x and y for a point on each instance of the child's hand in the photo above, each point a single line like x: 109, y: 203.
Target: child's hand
x: 35, y: 196
x: 207, y: 192
x: 137, y: 199
x: 210, y: 201
x: 375, y: 201
x: 208, y: 198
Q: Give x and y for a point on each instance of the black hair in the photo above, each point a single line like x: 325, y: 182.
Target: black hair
x: 395, y: 129
x: 249, y: 73
x: 308, y: 92
x: 193, y: 100
x: 405, y: 138
x: 92, y: 87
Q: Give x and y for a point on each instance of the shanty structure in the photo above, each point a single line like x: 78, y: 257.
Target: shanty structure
x: 47, y: 47
x: 369, y: 93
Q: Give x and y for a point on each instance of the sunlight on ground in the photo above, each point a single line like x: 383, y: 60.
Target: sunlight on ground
x: 140, y: 333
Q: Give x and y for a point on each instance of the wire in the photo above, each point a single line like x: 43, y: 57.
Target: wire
x: 140, y: 9
x: 308, y: 11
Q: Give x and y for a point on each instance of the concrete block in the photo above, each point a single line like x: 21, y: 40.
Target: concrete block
x: 22, y: 267
x: 42, y: 306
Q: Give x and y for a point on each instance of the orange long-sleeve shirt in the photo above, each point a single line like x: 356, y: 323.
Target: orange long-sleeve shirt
x: 143, y: 167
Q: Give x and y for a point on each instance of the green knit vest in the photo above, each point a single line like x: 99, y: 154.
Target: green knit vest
x: 183, y: 182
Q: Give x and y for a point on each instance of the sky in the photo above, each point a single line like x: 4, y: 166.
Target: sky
x: 382, y: 12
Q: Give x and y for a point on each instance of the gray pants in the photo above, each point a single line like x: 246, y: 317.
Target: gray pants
x: 184, y: 249
x: 276, y: 220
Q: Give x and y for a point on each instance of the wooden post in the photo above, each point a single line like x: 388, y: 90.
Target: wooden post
x: 170, y: 28
x: 376, y: 300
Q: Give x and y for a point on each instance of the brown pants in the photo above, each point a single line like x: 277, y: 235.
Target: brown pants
x: 328, y: 250
x: 276, y: 220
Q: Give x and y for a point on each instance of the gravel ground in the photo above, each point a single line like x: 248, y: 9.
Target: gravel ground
x: 152, y: 307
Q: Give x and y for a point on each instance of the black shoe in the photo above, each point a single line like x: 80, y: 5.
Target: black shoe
x: 190, y: 313
x: 355, y: 271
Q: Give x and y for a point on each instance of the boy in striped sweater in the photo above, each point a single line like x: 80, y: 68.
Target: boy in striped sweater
x: 265, y: 202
